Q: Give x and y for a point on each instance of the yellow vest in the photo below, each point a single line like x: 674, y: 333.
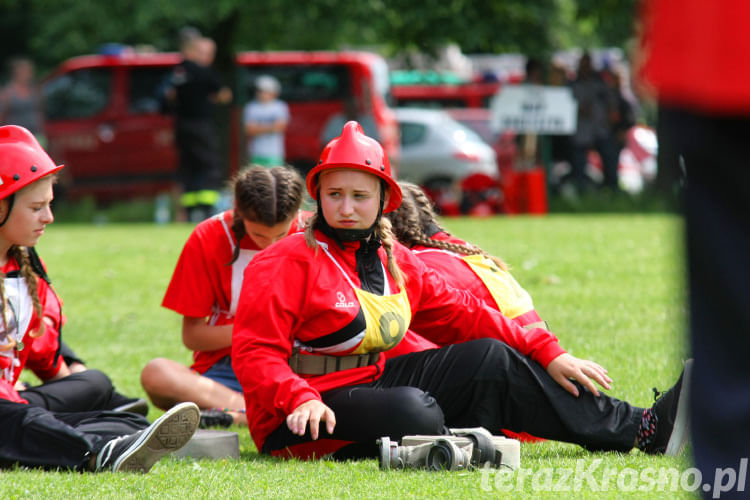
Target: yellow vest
x: 387, y: 316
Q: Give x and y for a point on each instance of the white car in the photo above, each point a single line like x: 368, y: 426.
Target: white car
x: 437, y: 151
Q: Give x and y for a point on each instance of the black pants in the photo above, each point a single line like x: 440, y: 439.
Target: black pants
x: 68, y: 355
x: 606, y: 148
x: 34, y: 437
x: 89, y: 390
x: 199, y: 156
x: 479, y: 383
x: 715, y: 154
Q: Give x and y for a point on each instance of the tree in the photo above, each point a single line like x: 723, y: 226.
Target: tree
x: 53, y: 30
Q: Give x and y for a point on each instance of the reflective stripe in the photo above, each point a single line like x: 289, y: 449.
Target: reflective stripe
x: 202, y: 197
x: 386, y: 319
x: 538, y: 324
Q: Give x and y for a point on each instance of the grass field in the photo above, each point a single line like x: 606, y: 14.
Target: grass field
x: 610, y: 286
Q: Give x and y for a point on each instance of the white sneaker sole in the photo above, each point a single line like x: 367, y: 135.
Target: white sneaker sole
x: 680, y: 430
x: 168, y: 433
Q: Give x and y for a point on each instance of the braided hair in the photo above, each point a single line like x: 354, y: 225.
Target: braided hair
x: 266, y: 196
x: 20, y: 254
x: 415, y: 221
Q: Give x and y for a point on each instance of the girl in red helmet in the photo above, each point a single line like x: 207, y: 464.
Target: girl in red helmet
x: 205, y: 288
x: 26, y: 174
x: 54, y: 427
x: 307, y: 342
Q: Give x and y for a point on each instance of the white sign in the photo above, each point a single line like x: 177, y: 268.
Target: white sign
x: 534, y: 109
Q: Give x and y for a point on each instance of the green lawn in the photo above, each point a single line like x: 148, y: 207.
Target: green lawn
x: 610, y: 286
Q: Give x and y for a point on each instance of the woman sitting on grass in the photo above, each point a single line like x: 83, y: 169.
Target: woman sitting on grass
x: 205, y: 288
x: 462, y: 264
x: 307, y: 341
x: 34, y: 432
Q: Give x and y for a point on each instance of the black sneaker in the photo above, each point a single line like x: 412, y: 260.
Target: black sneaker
x: 672, y: 419
x: 215, y: 417
x: 133, y: 405
x: 140, y: 451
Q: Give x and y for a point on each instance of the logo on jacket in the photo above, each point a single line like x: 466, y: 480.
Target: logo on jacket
x: 342, y: 303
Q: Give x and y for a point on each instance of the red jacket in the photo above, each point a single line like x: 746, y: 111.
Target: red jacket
x: 204, y: 285
x: 297, y: 299
x: 695, y: 53
x: 39, y: 352
x: 458, y: 273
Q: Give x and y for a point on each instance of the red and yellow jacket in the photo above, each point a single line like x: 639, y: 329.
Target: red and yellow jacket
x: 305, y: 296
x: 504, y: 294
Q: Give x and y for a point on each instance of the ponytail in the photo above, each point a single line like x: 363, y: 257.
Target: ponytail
x: 415, y: 217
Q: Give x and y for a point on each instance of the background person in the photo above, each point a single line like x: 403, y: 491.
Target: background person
x: 307, y: 340
x: 21, y: 99
x: 593, y: 131
x: 266, y: 118
x: 193, y: 90
x: 690, y: 58
x: 205, y: 289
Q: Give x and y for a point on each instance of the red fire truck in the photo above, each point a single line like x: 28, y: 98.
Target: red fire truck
x: 104, y: 119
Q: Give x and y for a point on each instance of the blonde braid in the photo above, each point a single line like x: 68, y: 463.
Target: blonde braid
x: 413, y: 218
x: 32, y: 281
x: 384, y: 233
x: 310, y: 232
x: 12, y: 343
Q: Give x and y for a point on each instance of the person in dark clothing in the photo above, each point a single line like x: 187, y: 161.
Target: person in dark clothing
x: 595, y: 103
x: 692, y: 53
x: 192, y: 93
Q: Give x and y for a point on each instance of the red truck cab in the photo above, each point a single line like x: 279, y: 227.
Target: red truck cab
x: 104, y: 119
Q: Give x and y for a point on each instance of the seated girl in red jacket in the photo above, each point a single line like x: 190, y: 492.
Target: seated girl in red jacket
x: 205, y: 288
x: 464, y: 265
x: 308, y: 339
x: 61, y: 423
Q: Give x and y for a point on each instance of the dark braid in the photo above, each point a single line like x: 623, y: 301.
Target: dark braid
x: 266, y: 196
x: 415, y: 218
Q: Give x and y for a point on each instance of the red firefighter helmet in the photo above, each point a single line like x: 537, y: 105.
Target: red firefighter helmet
x: 353, y: 149
x: 22, y: 160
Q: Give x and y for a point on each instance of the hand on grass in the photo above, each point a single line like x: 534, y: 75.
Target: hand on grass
x: 566, y: 367
x: 314, y: 412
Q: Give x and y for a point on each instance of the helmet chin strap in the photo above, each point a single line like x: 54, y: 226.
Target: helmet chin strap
x: 10, y: 199
x: 349, y: 235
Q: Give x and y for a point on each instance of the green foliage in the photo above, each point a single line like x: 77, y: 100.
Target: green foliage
x: 611, y: 287
x: 53, y: 30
